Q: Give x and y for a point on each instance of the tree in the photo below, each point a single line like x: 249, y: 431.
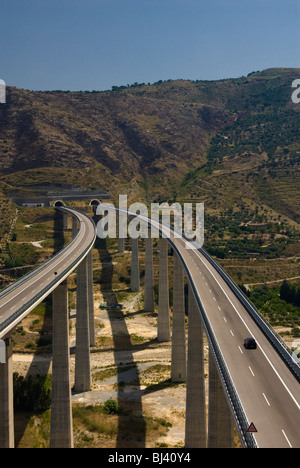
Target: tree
x: 32, y: 393
x: 285, y: 291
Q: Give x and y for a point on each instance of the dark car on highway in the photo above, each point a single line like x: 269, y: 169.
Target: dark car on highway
x: 250, y: 343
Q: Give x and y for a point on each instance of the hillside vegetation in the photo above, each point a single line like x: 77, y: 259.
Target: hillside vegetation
x: 233, y: 144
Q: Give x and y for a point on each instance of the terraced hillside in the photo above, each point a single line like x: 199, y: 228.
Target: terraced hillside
x: 233, y: 144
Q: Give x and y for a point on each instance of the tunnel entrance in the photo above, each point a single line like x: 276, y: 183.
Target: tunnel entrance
x: 59, y: 203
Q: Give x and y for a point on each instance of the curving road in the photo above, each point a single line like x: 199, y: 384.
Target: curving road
x: 19, y: 299
x: 268, y: 391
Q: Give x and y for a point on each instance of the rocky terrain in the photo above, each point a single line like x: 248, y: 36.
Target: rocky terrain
x: 232, y: 144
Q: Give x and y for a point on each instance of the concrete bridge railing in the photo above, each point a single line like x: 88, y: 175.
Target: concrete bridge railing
x: 187, y: 356
x: 61, y: 434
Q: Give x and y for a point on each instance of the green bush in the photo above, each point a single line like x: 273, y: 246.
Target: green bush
x: 32, y: 393
x: 111, y: 407
x: 295, y: 332
x: 277, y: 310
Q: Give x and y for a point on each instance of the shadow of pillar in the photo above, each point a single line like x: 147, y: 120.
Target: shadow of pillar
x: 122, y: 342
x: 43, y: 366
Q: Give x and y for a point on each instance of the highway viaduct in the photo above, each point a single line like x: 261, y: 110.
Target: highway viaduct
x: 259, y: 386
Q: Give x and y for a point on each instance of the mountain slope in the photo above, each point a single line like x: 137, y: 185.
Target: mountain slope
x: 150, y: 138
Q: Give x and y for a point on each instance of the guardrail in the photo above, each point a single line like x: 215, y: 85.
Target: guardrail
x: 284, y: 352
x: 33, y: 272
x: 59, y: 278
x: 231, y: 394
x: 230, y: 391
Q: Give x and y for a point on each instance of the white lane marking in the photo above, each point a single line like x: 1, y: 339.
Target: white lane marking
x: 286, y: 438
x: 199, y: 257
x: 61, y: 260
x: 231, y: 332
x: 225, y: 319
x: 251, y: 371
x: 240, y: 350
x: 268, y: 403
x: 241, y: 318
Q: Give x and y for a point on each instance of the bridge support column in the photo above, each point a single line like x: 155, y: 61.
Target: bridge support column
x: 178, y: 365
x: 220, y: 424
x: 122, y: 230
x: 74, y: 227
x: 195, y: 420
x: 65, y: 220
x: 61, y: 433
x: 121, y: 245
x: 82, y: 362
x: 149, y: 305
x: 91, y: 298
x: 6, y: 399
x: 163, y: 323
x: 135, y: 270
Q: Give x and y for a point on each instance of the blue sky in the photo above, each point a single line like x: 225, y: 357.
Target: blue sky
x: 96, y: 44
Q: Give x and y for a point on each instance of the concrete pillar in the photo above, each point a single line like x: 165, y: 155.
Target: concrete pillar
x: 74, y: 227
x: 122, y: 231
x: 220, y: 423
x: 61, y: 431
x: 195, y: 429
x: 149, y: 305
x: 6, y: 399
x: 65, y: 220
x: 121, y: 245
x: 163, y: 322
x: 91, y: 298
x: 178, y: 364
x: 135, y: 270
x: 82, y: 360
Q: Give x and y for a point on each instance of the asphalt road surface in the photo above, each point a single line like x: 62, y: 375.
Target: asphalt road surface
x: 24, y: 293
x: 269, y: 392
